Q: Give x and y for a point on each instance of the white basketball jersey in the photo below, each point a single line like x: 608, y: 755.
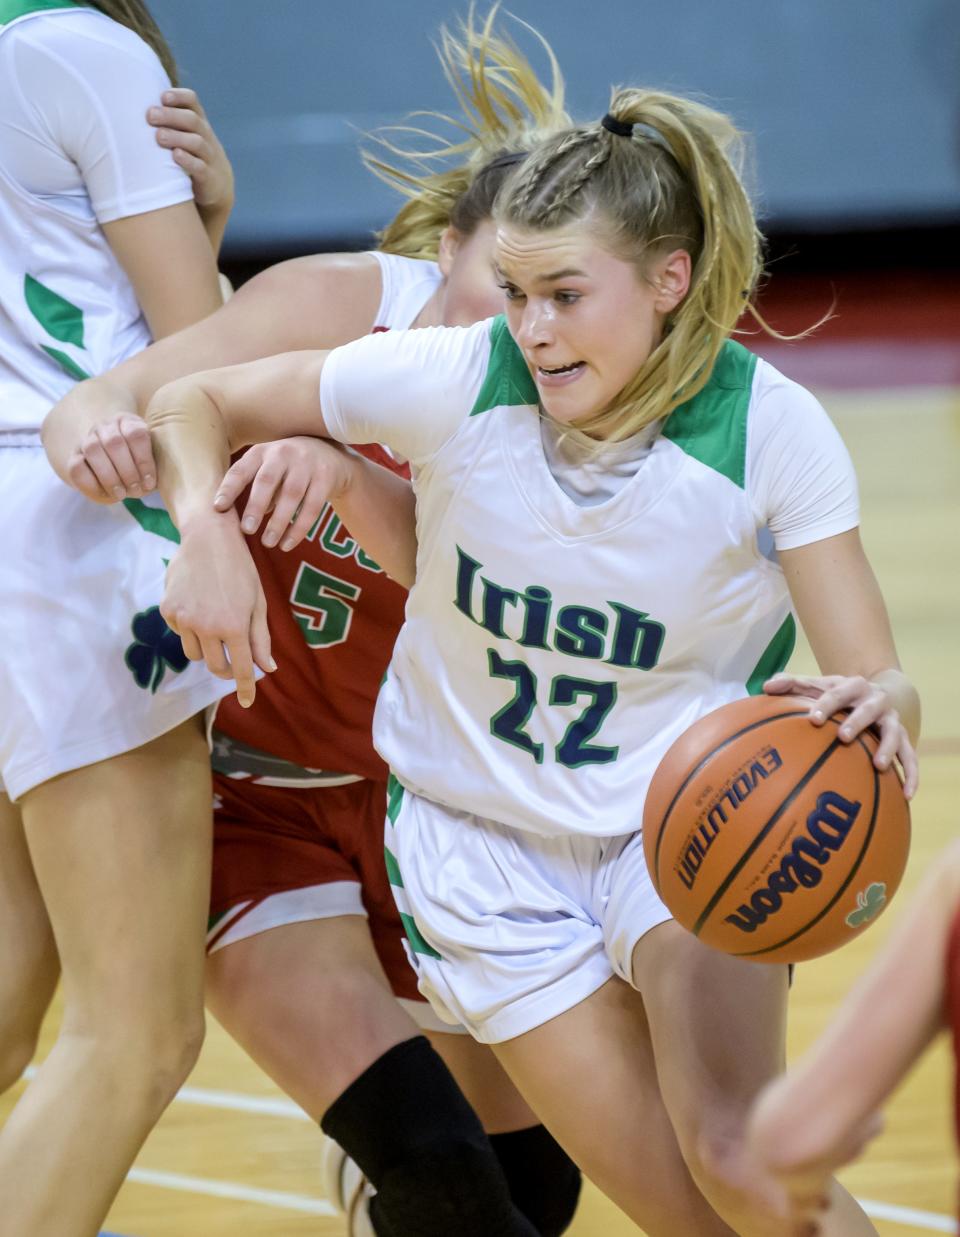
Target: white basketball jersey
x: 552, y: 652
x: 407, y: 285
x: 75, y: 152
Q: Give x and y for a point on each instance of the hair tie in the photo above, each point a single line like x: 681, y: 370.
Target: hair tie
x: 622, y: 128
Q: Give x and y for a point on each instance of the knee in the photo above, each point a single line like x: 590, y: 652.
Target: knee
x: 544, y: 1182
x: 720, y: 1167
x: 165, y: 1053
x: 146, y: 1059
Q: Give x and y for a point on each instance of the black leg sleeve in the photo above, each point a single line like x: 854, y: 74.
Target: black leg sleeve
x: 544, y: 1182
x: 408, y: 1126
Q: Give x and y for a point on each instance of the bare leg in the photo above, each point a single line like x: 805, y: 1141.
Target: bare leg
x: 121, y: 851
x: 486, y: 1084
x: 310, y: 1004
x: 718, y: 1029
x: 590, y: 1075
x: 29, y: 966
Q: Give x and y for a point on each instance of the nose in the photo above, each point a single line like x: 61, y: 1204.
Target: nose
x: 536, y: 324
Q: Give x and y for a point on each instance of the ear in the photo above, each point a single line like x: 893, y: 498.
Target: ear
x: 449, y: 244
x: 671, y: 279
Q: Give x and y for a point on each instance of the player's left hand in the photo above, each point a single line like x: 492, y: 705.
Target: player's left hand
x: 183, y: 128
x: 869, y: 705
x: 114, y: 460
x: 292, y: 480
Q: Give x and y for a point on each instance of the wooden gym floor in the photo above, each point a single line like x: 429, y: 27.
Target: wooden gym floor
x: 232, y: 1156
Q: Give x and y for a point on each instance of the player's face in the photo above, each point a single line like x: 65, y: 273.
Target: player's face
x: 471, y: 291
x: 584, y: 319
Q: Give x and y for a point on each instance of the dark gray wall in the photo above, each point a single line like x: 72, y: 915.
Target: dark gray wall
x: 854, y: 105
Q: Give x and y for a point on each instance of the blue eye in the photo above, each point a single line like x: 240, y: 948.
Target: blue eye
x: 568, y: 298
x: 511, y: 293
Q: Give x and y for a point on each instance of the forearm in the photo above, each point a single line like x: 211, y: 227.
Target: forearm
x: 814, y: 1114
x: 379, y: 508
x: 191, y: 446
x: 214, y: 219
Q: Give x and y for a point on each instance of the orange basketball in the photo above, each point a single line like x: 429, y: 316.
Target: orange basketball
x: 770, y: 838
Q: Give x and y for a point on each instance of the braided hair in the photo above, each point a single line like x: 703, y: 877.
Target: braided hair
x: 659, y: 173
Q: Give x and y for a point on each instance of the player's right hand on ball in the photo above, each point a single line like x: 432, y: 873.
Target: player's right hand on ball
x: 291, y: 480
x: 114, y: 460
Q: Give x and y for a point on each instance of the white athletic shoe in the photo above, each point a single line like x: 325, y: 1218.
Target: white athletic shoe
x: 346, y: 1188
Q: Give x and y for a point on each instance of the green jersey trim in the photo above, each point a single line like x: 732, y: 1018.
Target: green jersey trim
x: 712, y: 427
x: 153, y: 519
x: 66, y: 363
x: 508, y: 381
x: 775, y: 656
x: 60, y: 318
x: 10, y: 10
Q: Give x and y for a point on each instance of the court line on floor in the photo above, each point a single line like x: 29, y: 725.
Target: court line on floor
x: 231, y: 1190
x: 234, y: 1101
x: 928, y: 1220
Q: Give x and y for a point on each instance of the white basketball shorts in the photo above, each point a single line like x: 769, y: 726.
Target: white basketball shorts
x: 508, y: 929
x: 88, y: 668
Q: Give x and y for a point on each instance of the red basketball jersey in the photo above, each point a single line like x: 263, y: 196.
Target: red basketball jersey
x: 334, y: 616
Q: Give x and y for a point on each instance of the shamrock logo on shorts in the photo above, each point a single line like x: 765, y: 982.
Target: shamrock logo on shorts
x: 869, y: 905
x: 154, y: 649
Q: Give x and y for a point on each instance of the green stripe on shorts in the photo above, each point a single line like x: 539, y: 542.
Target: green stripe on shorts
x: 394, y: 799
x: 417, y: 943
x: 393, y: 868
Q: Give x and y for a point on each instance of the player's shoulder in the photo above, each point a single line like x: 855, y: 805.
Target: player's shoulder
x: 67, y: 32
x: 334, y: 296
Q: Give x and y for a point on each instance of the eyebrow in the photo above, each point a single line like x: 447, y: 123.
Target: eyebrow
x: 567, y: 273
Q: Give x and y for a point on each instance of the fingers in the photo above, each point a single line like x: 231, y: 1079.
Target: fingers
x: 287, y: 504
x: 119, y: 455
x: 179, y: 110
x: 260, y: 636
x: 236, y: 479
x: 794, y: 685
x: 182, y: 96
x: 83, y: 478
x: 910, y: 766
x: 267, y: 492
x: 313, y: 504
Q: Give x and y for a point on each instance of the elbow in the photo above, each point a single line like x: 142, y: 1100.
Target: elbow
x: 167, y: 403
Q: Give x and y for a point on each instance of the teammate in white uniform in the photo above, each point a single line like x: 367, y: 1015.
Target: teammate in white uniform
x: 103, y: 248
x: 305, y: 941
x: 588, y: 582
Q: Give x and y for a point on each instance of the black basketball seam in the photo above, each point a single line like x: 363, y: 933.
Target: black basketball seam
x: 755, y: 953
x: 784, y: 804
x: 776, y: 717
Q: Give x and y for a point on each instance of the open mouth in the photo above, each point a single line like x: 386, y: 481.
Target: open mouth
x: 560, y: 371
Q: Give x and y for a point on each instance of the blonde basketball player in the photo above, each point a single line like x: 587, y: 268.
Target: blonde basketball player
x: 105, y: 245
x: 592, y: 476
x: 305, y: 942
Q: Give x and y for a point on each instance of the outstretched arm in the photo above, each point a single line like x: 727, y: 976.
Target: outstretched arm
x: 195, y: 424
x: 213, y: 598
x: 96, y: 439
x: 842, y: 611
x: 823, y: 1111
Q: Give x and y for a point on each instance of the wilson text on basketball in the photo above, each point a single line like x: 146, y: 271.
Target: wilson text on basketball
x: 802, y: 867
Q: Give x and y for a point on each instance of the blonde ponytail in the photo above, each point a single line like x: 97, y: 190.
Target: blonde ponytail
x: 504, y: 111
x: 665, y: 175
